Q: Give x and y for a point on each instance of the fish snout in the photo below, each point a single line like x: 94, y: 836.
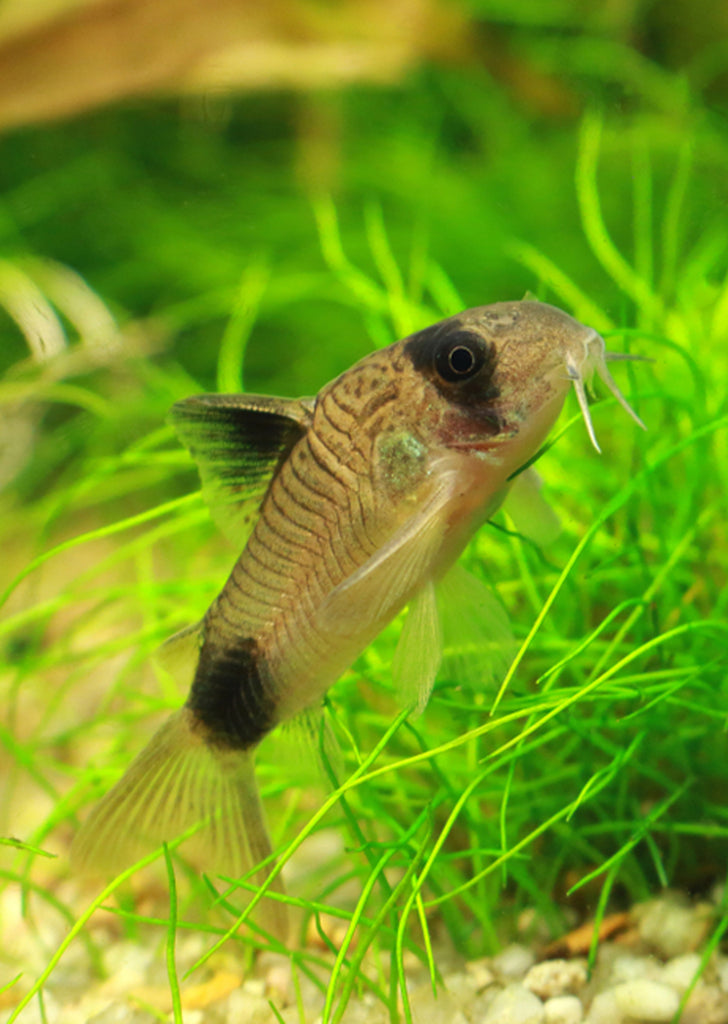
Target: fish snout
x: 585, y: 356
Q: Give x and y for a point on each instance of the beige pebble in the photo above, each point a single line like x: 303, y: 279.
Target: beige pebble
x: 515, y: 1005
x: 706, y: 1005
x: 357, y: 1012
x: 563, y: 1010
x: 679, y: 973
x: 278, y: 977
x: 721, y: 970
x: 672, y: 926
x: 513, y: 962
x: 255, y: 987
x: 429, y: 1007
x: 627, y: 967
x: 604, y: 1009
x: 461, y: 986
x: 646, y: 1000
x: 556, y: 977
x: 481, y: 973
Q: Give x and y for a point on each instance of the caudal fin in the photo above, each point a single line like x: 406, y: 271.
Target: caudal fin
x: 179, y: 783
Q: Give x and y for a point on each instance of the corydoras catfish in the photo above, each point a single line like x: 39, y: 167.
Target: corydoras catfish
x: 356, y: 504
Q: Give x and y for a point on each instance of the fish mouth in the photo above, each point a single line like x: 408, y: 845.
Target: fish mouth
x: 483, y: 445
x: 582, y: 362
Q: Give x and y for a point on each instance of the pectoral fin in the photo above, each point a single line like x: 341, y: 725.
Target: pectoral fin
x: 238, y: 443
x: 419, y: 650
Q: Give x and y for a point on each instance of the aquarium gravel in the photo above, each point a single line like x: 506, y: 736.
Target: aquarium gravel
x: 658, y: 964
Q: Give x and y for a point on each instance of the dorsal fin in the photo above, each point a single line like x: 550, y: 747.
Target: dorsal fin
x: 238, y: 443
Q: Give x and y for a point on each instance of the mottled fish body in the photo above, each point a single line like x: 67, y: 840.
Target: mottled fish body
x: 355, y: 505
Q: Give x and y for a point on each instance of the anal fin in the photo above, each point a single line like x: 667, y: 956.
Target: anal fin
x: 310, y: 738
x: 478, y: 643
x: 178, y: 654
x: 532, y: 515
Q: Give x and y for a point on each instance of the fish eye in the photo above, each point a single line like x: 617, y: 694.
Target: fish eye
x: 460, y: 357
x: 461, y: 360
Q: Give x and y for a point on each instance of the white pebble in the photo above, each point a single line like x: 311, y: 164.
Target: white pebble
x: 627, y: 967
x: 514, y: 1005
x: 114, y: 1013
x: 513, y: 962
x: 32, y: 1014
x: 255, y: 987
x: 555, y: 977
x: 563, y: 1010
x: 672, y: 926
x: 243, y: 1005
x: 461, y: 986
x: 481, y: 974
x: 482, y: 1003
x: 604, y: 1009
x: 647, y: 1000
x: 435, y: 1008
x: 679, y: 973
x: 128, y: 964
x: 355, y: 1013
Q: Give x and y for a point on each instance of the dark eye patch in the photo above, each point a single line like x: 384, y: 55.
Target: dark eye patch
x: 460, y: 362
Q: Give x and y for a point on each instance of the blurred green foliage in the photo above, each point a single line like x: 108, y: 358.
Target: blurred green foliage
x: 163, y: 206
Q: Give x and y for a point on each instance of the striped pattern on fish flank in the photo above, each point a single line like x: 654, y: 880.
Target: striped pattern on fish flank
x: 320, y: 522
x: 371, y: 389
x: 323, y: 518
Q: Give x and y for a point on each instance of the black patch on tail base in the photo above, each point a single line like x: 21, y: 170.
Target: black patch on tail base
x: 230, y: 697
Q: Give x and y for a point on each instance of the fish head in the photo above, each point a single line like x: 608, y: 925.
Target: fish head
x: 498, y: 375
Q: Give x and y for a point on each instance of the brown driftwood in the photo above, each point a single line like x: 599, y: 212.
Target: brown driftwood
x: 66, y: 56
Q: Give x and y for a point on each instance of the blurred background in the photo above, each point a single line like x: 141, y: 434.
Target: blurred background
x: 209, y: 194
x: 170, y: 154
